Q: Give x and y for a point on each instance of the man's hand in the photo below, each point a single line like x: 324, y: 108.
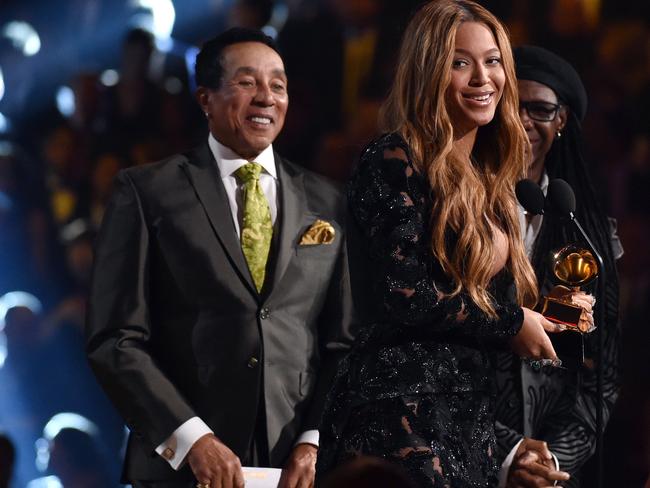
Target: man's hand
x: 300, y: 470
x: 533, y: 467
x: 214, y: 464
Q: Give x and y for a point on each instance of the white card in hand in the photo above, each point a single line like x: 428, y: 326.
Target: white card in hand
x: 261, y: 477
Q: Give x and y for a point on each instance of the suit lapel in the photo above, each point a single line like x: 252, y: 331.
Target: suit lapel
x: 201, y: 170
x: 292, y: 206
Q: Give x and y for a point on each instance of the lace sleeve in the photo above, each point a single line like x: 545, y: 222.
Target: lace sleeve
x: 389, y: 203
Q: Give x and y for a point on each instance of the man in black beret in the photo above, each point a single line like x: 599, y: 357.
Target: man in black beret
x: 546, y: 418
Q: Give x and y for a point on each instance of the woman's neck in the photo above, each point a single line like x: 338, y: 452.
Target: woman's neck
x: 464, y: 144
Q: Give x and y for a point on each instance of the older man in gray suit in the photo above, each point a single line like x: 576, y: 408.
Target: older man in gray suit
x: 220, y: 302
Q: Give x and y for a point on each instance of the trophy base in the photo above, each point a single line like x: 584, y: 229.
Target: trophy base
x: 568, y: 345
x: 558, y: 311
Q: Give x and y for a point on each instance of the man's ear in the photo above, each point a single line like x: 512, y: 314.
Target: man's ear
x: 202, y: 95
x: 562, y: 117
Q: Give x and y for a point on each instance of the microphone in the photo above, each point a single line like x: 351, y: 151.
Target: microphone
x: 530, y: 196
x: 561, y: 201
x: 561, y: 195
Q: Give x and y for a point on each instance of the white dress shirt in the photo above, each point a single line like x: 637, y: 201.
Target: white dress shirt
x: 530, y: 228
x: 229, y: 162
x: 175, y: 448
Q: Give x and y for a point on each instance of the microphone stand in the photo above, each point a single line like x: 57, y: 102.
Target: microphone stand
x: 600, y: 454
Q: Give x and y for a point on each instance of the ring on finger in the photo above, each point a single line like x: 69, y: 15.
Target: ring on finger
x: 203, y: 485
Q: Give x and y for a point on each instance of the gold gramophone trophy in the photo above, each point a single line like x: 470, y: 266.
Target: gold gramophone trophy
x: 573, y: 266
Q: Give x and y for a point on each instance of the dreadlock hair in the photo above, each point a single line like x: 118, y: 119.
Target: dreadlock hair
x: 564, y: 160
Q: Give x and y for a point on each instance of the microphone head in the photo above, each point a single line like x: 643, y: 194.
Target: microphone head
x: 530, y: 196
x: 560, y: 198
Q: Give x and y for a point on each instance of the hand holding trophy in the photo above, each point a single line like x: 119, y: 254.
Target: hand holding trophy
x: 572, y: 265
x: 566, y: 304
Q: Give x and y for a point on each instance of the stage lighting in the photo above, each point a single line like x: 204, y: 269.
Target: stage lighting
x: 109, y: 77
x: 270, y: 31
x: 2, y: 85
x: 190, y: 61
x: 173, y: 85
x: 60, y: 421
x: 158, y: 17
x: 3, y: 349
x: 18, y: 299
x: 23, y: 36
x: 68, y: 420
x: 279, y: 16
x: 45, y: 482
x: 65, y: 101
x: 5, y: 125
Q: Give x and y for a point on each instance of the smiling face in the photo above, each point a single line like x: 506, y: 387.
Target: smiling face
x: 246, y: 113
x: 477, y: 78
x: 540, y: 134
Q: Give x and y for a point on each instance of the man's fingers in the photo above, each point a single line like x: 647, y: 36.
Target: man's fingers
x: 558, y: 475
x: 584, y: 300
x: 236, y: 479
x: 528, y: 479
x: 239, y: 480
x: 205, y: 481
x: 548, y: 473
x: 516, y: 481
x: 217, y: 481
x: 306, y: 479
x: 234, y: 473
x: 286, y: 480
x: 539, y: 446
x: 584, y: 303
x: 295, y: 478
x: 528, y: 458
x: 304, y: 482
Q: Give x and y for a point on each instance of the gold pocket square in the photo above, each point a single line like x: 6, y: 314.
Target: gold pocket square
x: 320, y: 232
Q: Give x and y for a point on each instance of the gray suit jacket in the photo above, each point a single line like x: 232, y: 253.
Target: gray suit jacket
x: 176, y: 327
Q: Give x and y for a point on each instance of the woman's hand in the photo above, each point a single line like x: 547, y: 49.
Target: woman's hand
x: 532, y: 341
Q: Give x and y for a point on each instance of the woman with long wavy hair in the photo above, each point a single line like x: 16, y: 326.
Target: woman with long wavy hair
x: 439, y: 273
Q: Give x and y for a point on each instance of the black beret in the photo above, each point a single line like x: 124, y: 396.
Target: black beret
x: 541, y: 65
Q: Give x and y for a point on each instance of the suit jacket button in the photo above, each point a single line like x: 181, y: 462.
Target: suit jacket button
x: 252, y: 362
x: 264, y: 314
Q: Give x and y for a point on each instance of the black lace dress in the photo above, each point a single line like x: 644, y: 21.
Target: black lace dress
x: 417, y: 386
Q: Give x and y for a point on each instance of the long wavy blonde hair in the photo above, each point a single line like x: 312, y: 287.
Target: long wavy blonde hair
x: 468, y: 196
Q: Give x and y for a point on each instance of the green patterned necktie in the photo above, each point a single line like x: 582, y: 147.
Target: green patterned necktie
x: 257, y: 228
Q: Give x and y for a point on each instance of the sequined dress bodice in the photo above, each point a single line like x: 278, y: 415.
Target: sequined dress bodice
x: 417, y: 348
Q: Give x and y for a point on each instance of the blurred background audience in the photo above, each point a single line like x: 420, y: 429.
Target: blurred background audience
x: 7, y: 456
x: 88, y: 87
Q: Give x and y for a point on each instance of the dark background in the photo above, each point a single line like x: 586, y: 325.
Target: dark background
x: 90, y: 96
